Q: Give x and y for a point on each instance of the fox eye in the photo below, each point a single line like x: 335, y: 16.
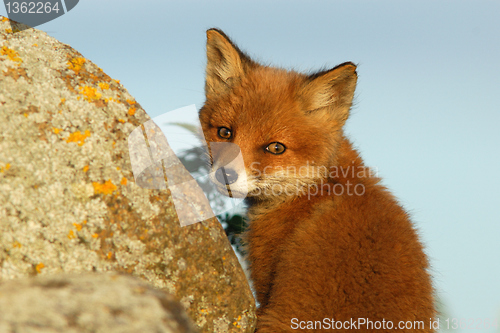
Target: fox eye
x: 224, y: 132
x: 276, y: 148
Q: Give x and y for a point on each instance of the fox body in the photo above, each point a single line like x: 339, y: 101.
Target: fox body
x: 326, y: 242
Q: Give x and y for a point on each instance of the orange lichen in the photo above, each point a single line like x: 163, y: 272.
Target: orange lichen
x: 90, y: 93
x: 78, y: 137
x: 130, y: 101
x: 109, y: 255
x: 56, y: 130
x: 131, y: 111
x: 63, y: 100
x: 16, y: 244
x: 71, y: 234
x: 86, y: 168
x: 107, y: 188
x: 36, y: 45
x: 39, y: 267
x: 76, y: 64
x: 95, y: 235
x: 103, y: 86
x: 78, y: 226
x: 121, y: 120
x: 8, y: 30
x: 10, y: 53
x: 124, y: 181
x: 236, y: 323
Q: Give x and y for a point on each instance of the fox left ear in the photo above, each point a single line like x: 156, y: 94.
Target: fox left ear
x: 226, y: 64
x: 332, y: 90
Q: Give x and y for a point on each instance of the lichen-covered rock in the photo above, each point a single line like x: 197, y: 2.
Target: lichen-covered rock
x: 68, y: 199
x: 70, y: 303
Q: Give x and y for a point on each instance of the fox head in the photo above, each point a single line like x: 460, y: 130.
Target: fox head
x: 287, y: 125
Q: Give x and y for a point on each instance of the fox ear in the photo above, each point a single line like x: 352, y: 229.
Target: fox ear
x: 332, y: 90
x: 225, y: 63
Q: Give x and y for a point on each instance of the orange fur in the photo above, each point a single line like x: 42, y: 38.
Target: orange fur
x: 315, y: 252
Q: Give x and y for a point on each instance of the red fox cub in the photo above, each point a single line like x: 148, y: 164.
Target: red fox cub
x: 329, y: 247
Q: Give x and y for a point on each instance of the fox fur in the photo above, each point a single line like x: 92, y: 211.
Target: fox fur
x: 315, y: 250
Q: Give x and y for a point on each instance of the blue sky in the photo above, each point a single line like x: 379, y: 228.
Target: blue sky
x: 427, y: 111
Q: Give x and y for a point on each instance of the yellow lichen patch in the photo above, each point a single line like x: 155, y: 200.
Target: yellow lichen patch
x: 103, y: 86
x: 10, y: 53
x: 111, y: 99
x: 35, y: 45
x: 107, y: 188
x: 121, y: 120
x: 9, y: 30
x: 90, y: 93
x: 16, y: 244
x: 78, y: 226
x: 5, y: 19
x: 130, y: 101
x: 124, y: 181
x: 76, y: 64
x: 71, y: 234
x: 86, y: 168
x: 236, y: 323
x: 56, y: 130
x: 131, y: 111
x: 63, y: 100
x: 39, y: 267
x: 78, y: 137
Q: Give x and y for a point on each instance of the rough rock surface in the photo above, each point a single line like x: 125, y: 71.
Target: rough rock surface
x: 68, y: 199
x: 90, y: 302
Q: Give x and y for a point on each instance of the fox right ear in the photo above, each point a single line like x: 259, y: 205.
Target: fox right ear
x: 331, y: 90
x: 226, y: 64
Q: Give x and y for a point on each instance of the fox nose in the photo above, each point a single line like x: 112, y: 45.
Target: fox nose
x: 226, y: 176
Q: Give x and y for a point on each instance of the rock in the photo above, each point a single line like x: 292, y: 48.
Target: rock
x: 68, y: 198
x: 70, y: 303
